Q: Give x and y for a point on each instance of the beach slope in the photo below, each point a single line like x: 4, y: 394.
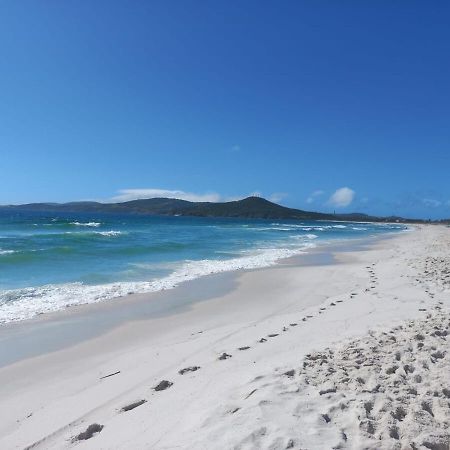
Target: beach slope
x: 350, y: 354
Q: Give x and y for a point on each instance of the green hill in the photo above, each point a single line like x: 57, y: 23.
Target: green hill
x: 251, y: 207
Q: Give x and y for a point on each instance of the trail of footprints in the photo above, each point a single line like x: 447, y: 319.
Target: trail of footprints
x: 389, y: 390
x: 373, y: 279
x: 94, y: 429
x: 166, y: 384
x: 434, y: 270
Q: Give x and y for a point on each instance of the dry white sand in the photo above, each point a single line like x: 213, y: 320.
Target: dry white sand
x: 349, y: 355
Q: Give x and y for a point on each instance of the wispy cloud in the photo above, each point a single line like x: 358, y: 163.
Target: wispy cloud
x: 431, y: 202
x: 342, y: 197
x: 314, y: 195
x: 277, y: 197
x: 125, y: 195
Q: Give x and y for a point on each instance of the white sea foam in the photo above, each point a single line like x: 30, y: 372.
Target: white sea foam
x: 26, y: 303
x: 7, y: 252
x: 303, y: 237
x: 291, y: 225
x: 101, y: 233
x: 109, y: 233
x: 86, y: 224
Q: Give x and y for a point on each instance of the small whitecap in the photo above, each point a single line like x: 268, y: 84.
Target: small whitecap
x: 86, y: 224
x: 108, y: 233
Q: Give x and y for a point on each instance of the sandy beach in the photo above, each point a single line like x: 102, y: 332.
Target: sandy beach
x: 348, y: 352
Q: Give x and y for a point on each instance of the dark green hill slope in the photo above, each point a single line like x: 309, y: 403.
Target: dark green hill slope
x: 251, y: 207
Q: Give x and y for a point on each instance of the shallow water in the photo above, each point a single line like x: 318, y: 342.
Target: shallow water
x: 51, y: 261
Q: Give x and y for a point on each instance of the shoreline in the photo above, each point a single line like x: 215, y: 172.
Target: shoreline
x: 267, y: 324
x: 31, y: 302
x: 57, y: 330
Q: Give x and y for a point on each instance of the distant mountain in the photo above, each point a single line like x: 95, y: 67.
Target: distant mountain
x: 251, y: 207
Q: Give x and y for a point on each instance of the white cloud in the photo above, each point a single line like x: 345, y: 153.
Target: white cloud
x: 233, y: 198
x: 342, y: 197
x: 125, y: 195
x: 314, y: 195
x: 431, y: 202
x: 277, y: 197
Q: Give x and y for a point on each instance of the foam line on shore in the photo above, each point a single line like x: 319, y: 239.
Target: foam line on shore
x: 26, y: 303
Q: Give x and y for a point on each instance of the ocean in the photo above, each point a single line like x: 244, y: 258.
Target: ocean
x: 52, y: 261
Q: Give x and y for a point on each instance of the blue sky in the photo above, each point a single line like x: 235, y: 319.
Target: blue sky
x: 320, y: 105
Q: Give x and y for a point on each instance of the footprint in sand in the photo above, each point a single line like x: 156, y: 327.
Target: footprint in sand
x: 198, y: 332
x: 91, y: 430
x: 243, y: 348
x: 272, y: 335
x: 251, y: 393
x: 163, y: 385
x: 224, y: 356
x: 188, y: 369
x: 132, y: 405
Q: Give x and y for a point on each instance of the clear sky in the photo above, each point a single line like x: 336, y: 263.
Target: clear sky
x: 294, y: 100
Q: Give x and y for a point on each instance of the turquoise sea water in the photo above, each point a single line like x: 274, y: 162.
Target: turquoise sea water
x: 51, y: 261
